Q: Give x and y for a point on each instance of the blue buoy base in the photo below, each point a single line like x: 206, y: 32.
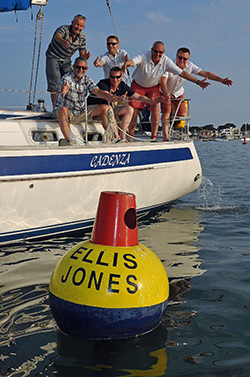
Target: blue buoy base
x: 88, y: 322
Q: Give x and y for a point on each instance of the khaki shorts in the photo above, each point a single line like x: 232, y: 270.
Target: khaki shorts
x: 116, y: 109
x: 77, y: 119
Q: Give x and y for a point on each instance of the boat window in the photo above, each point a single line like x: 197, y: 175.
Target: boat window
x: 92, y: 136
x: 44, y: 136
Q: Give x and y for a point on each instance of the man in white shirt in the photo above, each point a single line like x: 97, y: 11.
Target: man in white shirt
x: 151, y: 65
x: 114, y: 57
x: 172, y: 87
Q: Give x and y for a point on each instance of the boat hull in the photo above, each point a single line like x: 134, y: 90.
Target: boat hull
x: 48, y: 191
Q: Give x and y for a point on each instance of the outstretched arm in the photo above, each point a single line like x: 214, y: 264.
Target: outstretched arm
x: 151, y: 101
x: 127, y: 64
x: 203, y: 84
x: 64, y: 42
x: 212, y: 76
x: 103, y: 94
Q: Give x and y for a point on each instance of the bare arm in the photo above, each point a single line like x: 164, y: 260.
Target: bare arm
x: 127, y: 64
x: 103, y: 94
x: 203, y: 84
x: 151, y: 101
x: 212, y: 76
x: 64, y: 42
x: 164, y: 87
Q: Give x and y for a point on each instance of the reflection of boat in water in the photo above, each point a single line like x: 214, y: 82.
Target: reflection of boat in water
x: 173, y: 237
x: 46, y: 189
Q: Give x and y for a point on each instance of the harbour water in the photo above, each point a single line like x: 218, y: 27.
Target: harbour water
x: 203, y: 242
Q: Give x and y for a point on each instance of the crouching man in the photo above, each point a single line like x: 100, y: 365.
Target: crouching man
x: 98, y: 108
x: 70, y: 100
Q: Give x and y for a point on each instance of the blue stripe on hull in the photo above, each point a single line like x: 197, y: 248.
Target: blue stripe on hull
x: 49, y: 164
x: 46, y: 231
x: 87, y: 322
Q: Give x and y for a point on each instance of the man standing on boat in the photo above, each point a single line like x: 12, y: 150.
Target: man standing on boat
x: 67, y: 39
x: 151, y: 65
x: 70, y: 101
x: 98, y: 108
x: 114, y: 57
x: 172, y: 86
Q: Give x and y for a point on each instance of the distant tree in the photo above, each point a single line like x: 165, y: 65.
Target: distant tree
x: 245, y: 127
x: 194, y: 129
x: 227, y: 125
x: 209, y: 127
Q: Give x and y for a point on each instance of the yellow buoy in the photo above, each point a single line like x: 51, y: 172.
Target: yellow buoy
x: 101, y: 289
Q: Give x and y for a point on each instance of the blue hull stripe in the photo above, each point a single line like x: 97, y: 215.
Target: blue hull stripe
x: 88, y: 322
x: 49, y: 164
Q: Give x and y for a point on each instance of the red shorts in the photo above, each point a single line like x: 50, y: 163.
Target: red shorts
x: 166, y: 107
x: 148, y: 92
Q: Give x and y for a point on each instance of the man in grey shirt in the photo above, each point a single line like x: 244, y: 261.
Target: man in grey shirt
x: 67, y: 39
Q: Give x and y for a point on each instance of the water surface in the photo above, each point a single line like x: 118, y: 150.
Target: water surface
x: 203, y: 242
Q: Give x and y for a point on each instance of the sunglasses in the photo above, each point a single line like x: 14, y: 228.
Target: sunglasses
x: 158, y: 52
x: 79, y: 67
x: 182, y: 58
x: 111, y: 43
x: 115, y: 77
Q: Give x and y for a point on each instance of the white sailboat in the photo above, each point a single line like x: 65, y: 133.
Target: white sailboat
x: 46, y: 190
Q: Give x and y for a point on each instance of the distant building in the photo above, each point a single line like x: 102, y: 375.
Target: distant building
x: 236, y: 133
x: 206, y: 134
x: 195, y: 131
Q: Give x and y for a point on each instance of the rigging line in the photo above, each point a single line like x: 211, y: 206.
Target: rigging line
x: 33, y: 60
x: 40, y: 16
x: 115, y: 29
x: 112, y: 18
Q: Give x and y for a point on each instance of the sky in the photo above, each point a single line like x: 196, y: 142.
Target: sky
x: 216, y: 32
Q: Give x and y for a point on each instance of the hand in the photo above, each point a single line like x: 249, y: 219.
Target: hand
x: 154, y: 100
x: 86, y: 54
x: 166, y: 99
x: 66, y: 42
x: 126, y: 65
x: 65, y: 89
x: 111, y: 97
x: 226, y: 81
x: 121, y: 98
x: 204, y: 84
x: 125, y: 58
x: 96, y: 62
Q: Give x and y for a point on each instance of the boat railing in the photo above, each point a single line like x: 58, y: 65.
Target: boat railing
x: 95, y: 127
x: 180, y: 122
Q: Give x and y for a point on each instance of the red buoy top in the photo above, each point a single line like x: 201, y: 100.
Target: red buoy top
x: 115, y: 222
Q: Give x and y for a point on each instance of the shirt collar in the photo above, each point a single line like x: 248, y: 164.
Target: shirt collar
x: 111, y: 56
